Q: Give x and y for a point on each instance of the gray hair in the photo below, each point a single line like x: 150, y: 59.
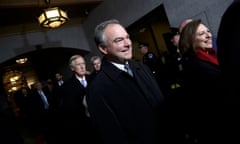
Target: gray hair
x: 72, y: 58
x: 99, y: 36
x: 93, y: 58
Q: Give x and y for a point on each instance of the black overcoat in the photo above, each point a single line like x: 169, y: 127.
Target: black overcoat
x: 124, y: 108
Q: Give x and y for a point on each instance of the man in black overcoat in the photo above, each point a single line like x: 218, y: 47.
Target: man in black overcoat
x: 125, y: 107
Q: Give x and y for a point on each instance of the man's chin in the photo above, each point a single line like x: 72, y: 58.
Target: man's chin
x: 128, y: 57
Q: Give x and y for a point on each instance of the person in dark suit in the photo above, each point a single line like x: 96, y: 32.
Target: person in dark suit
x: 125, y: 106
x: 96, y: 64
x: 58, y: 79
x: 149, y: 58
x: 57, y: 89
x: 202, y: 79
x: 228, y: 55
x: 76, y: 123
x: 21, y: 98
x: 57, y: 93
x: 41, y: 104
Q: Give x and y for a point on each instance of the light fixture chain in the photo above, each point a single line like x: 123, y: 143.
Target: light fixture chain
x: 47, y: 2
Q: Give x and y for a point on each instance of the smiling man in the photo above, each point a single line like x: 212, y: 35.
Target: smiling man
x: 124, y: 108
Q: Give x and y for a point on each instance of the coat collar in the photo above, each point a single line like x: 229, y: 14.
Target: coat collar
x: 113, y: 72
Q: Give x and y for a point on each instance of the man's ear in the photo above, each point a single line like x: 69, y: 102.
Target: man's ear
x: 72, y: 69
x: 102, y: 49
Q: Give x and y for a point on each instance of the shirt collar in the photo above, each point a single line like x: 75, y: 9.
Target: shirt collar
x: 119, y: 66
x: 81, y: 78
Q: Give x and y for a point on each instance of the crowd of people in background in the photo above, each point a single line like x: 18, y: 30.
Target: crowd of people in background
x: 53, y: 110
x: 122, y: 101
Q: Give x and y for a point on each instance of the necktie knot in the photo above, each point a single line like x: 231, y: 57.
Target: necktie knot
x: 60, y: 83
x: 83, y: 82
x: 128, y: 69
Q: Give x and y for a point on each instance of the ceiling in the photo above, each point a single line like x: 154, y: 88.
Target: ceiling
x: 20, y: 16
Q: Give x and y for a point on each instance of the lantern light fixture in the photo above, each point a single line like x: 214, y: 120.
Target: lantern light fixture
x: 52, y: 17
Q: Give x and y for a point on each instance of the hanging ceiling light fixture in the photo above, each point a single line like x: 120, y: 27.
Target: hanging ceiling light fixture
x: 52, y: 17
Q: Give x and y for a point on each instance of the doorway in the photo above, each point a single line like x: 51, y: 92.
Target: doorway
x: 150, y: 29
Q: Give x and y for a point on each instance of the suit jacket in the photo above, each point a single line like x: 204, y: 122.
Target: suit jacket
x: 72, y: 111
x: 57, y: 94
x: 73, y: 93
x: 37, y: 103
x: 124, y: 108
x: 40, y: 118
